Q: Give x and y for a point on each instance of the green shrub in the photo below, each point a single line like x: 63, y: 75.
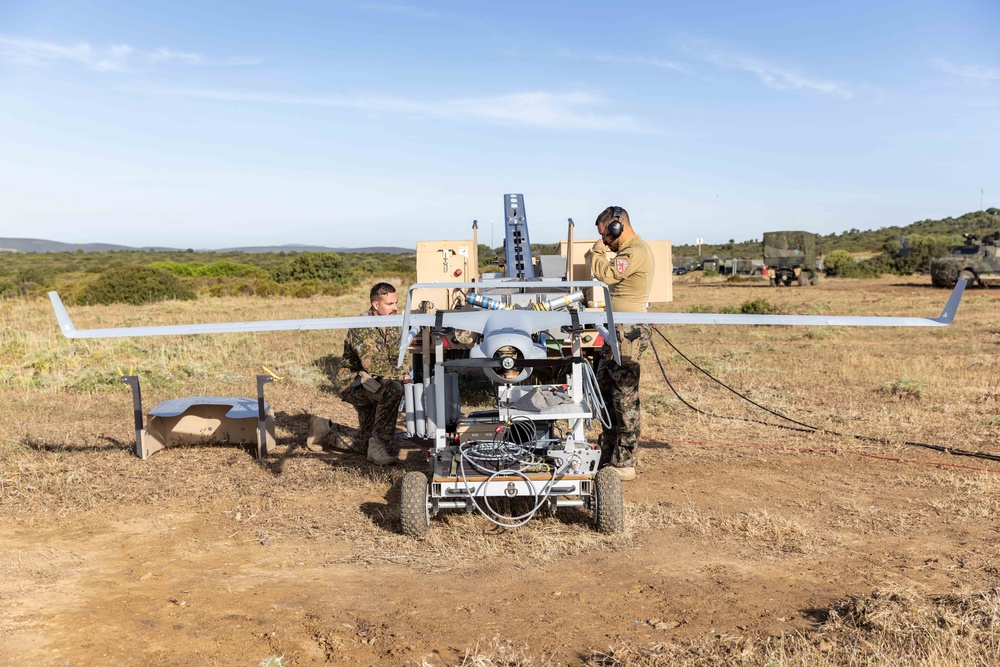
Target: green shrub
x: 7, y: 289
x: 305, y: 289
x: 755, y: 307
x: 326, y: 266
x: 215, y: 269
x: 135, y: 285
x: 919, y: 251
x: 266, y: 287
x: 232, y: 269
x: 842, y: 264
x: 177, y: 268
x: 904, y: 387
x: 230, y: 287
x: 839, y: 263
x: 32, y: 275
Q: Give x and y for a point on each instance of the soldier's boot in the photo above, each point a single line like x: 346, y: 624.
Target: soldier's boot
x: 377, y: 453
x: 318, y: 428
x: 626, y: 473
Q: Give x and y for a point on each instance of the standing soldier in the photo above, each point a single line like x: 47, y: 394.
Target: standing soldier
x: 622, y: 260
x: 369, y: 379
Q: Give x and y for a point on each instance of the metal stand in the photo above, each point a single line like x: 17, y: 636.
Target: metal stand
x: 133, y: 381
x: 262, y: 416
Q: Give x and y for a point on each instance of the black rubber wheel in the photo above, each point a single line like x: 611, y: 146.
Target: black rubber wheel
x: 413, y: 509
x: 609, y: 506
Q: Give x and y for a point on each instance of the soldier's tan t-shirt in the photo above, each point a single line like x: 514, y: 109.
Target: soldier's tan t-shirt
x: 628, y: 273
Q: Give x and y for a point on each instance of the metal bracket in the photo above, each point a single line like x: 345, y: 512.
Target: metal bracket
x: 262, y: 416
x: 133, y: 381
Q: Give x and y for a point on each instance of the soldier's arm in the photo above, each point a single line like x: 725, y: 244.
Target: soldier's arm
x: 351, y: 360
x: 612, y: 269
x: 602, y: 267
x: 394, y: 372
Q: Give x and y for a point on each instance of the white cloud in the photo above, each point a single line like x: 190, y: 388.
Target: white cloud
x: 561, y: 111
x: 773, y: 76
x: 33, y: 53
x: 116, y: 58
x: 968, y: 71
x: 613, y: 59
x: 163, y: 55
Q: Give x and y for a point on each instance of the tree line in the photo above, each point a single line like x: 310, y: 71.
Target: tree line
x: 141, y: 276
x: 893, y: 250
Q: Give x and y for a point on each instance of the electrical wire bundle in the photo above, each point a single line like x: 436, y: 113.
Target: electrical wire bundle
x: 510, y: 453
x: 593, y: 393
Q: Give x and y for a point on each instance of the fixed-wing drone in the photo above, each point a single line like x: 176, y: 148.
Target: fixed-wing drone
x: 533, y: 444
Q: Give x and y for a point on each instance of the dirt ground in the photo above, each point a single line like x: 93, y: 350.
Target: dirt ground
x: 205, y: 556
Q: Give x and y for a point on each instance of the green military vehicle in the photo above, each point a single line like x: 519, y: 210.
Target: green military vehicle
x: 790, y: 257
x: 974, y: 261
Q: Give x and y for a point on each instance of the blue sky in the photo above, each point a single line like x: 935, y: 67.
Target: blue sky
x: 207, y: 124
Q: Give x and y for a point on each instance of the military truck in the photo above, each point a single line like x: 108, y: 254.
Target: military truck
x: 739, y: 266
x: 974, y: 260
x: 790, y: 257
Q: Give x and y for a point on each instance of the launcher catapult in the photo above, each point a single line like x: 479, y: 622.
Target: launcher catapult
x: 533, y: 330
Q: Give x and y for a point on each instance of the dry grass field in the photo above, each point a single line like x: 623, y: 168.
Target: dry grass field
x: 746, y: 544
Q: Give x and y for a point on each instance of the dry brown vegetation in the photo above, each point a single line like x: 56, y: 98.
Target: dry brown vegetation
x: 745, y: 543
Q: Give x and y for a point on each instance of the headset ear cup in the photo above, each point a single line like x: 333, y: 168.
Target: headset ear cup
x: 615, y: 229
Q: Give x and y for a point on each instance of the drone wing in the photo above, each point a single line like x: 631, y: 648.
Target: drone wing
x: 70, y: 331
x: 479, y: 321
x: 946, y: 318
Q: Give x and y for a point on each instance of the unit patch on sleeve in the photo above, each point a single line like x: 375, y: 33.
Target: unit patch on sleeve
x: 621, y: 263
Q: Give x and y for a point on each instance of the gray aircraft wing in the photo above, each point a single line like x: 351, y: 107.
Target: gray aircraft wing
x: 946, y: 317
x: 312, y: 324
x: 477, y: 320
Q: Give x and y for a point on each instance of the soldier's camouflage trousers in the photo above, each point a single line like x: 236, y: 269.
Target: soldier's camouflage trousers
x: 378, y: 411
x: 619, y: 385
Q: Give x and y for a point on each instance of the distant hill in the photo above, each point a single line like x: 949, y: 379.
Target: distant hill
x: 40, y: 245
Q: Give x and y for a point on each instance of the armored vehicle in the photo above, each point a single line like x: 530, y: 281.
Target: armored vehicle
x: 974, y: 261
x: 791, y: 257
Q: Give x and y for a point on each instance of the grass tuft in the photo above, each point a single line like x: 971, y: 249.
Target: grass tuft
x: 904, y: 388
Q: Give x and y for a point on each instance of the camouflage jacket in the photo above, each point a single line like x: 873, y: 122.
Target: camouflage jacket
x: 371, y: 349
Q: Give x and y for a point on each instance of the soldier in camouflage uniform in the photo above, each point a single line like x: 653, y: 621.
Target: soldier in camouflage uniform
x: 624, y: 261
x: 369, y: 379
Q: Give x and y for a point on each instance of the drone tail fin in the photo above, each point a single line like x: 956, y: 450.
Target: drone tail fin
x: 951, y: 308
x: 65, y: 324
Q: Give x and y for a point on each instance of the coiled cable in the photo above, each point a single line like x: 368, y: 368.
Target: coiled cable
x: 503, y: 453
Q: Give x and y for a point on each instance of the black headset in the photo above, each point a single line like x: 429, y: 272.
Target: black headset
x: 615, y: 228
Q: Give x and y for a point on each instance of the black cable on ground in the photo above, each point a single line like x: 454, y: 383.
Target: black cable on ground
x: 805, y: 428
